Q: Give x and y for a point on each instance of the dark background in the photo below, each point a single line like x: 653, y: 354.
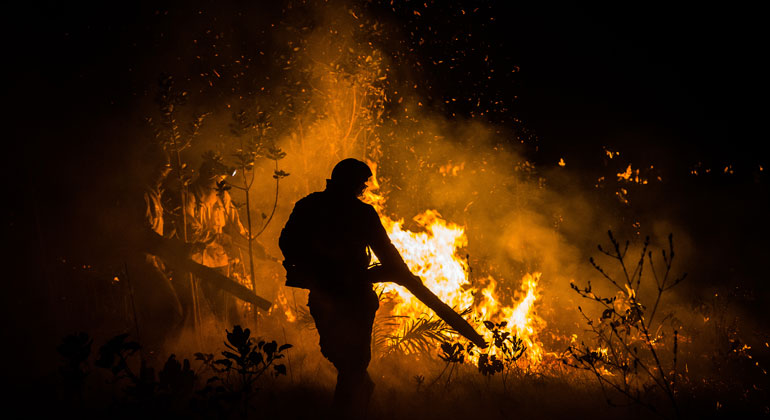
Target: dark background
x: 677, y: 88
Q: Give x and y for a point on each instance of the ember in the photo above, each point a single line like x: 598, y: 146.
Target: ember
x: 156, y: 154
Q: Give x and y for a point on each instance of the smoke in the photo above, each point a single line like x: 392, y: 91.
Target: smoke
x: 333, y: 90
x: 347, y: 79
x: 335, y: 82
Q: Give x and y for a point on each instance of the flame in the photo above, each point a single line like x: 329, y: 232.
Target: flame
x: 632, y: 176
x: 433, y: 253
x: 450, y: 169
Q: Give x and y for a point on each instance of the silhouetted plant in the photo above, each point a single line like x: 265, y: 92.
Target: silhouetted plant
x: 169, y: 392
x: 631, y: 344
x: 501, y: 357
x: 173, y: 390
x: 176, y: 383
x: 453, y: 355
x: 258, y: 143
x: 242, y: 366
x: 506, y: 350
x: 114, y: 356
x: 418, y: 380
x: 75, y: 348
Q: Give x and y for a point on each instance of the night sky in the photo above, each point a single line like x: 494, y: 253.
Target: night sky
x: 674, y: 88
x: 683, y: 78
x: 669, y: 87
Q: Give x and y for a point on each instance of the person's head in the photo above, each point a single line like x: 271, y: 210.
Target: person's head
x: 213, y: 169
x: 154, y: 164
x: 349, y: 177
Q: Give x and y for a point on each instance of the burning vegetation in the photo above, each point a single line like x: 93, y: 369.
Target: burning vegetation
x: 258, y: 115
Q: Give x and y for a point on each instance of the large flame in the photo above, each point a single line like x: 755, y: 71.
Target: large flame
x: 434, y: 254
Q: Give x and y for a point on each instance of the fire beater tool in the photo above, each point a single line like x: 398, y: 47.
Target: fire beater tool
x: 213, y: 277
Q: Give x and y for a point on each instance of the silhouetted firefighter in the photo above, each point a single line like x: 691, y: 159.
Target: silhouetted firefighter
x: 157, y: 307
x: 325, y: 245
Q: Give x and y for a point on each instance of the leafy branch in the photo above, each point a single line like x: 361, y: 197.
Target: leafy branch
x: 253, y: 132
x: 629, y: 359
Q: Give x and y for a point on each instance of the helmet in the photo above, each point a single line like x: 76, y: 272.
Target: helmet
x: 213, y: 166
x: 351, y: 172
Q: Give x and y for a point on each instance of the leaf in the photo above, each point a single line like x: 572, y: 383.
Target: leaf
x: 238, y: 337
x: 224, y: 362
x: 278, y: 174
x: 284, y: 347
x: 280, y: 369
x: 270, y: 348
x: 256, y: 358
x: 76, y: 347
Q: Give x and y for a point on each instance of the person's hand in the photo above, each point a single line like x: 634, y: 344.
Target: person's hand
x: 195, y: 247
x: 224, y: 239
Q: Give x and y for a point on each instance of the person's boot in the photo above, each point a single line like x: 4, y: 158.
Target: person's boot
x: 362, y: 389
x: 342, y: 401
x: 367, y: 390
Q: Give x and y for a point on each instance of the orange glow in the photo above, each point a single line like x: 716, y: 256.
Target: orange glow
x: 434, y: 255
x: 283, y: 302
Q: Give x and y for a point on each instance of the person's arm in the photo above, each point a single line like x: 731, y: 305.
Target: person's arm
x: 144, y: 236
x: 290, y: 242
x: 382, y: 246
x: 148, y: 239
x: 233, y: 225
x: 196, y: 231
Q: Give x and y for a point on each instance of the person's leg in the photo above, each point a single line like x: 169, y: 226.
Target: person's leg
x: 363, y: 386
x: 157, y: 309
x: 218, y: 301
x: 345, y: 327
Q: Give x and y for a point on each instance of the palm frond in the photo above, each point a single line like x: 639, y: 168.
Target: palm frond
x: 420, y: 335
x: 381, y: 332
